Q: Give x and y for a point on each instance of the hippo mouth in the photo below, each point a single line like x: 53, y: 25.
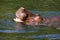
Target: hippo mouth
x: 17, y: 20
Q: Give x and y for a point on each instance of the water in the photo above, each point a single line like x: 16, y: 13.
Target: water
x: 9, y: 30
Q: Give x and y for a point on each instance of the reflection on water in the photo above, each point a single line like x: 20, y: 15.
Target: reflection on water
x: 9, y: 27
x: 20, y: 26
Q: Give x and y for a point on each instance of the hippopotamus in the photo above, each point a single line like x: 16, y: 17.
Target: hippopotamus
x: 26, y: 17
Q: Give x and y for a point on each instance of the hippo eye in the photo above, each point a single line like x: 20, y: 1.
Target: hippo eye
x: 21, y: 14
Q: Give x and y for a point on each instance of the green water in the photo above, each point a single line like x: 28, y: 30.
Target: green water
x: 9, y: 30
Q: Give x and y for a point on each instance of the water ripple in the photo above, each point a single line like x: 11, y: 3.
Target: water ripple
x: 50, y: 36
x: 17, y: 31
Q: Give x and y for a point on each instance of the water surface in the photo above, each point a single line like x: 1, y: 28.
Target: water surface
x: 10, y: 30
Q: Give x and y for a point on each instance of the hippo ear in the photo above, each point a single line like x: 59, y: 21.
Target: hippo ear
x: 22, y: 8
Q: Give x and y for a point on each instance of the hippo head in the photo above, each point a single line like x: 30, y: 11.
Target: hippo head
x: 23, y: 15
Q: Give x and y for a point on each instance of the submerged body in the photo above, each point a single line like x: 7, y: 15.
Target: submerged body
x: 55, y: 20
x: 46, y: 21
